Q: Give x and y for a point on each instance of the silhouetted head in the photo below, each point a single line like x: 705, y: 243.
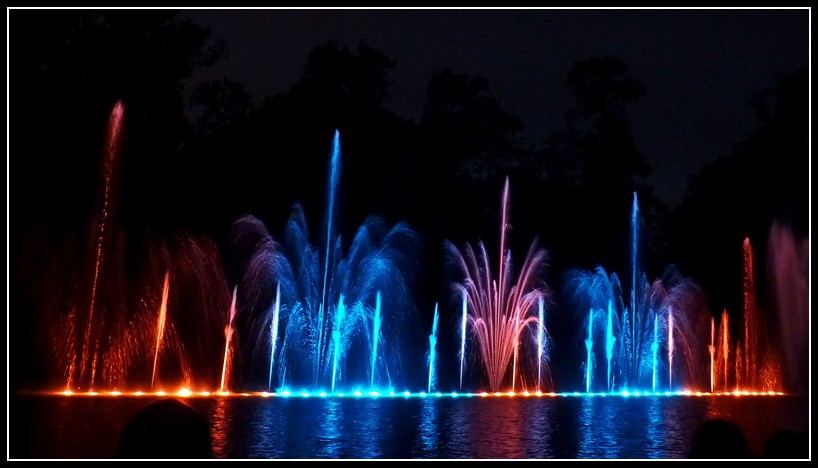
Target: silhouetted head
x: 716, y: 438
x: 166, y: 429
x: 787, y: 444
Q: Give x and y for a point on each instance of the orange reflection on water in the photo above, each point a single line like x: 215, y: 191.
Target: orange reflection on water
x: 220, y: 425
x: 486, y: 424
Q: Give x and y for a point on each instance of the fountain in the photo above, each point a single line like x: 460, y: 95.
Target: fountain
x: 755, y: 362
x: 114, y: 326
x: 332, y: 318
x: 499, y: 311
x: 432, y: 345
x: 788, y: 266
x: 274, y: 336
x: 102, y: 240
x: 542, y: 344
x: 332, y: 304
x: 228, y: 335
x: 463, y: 325
x: 663, y: 316
x: 376, y: 333
x: 160, y: 327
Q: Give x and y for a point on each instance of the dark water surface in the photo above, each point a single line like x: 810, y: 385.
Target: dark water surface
x: 294, y: 427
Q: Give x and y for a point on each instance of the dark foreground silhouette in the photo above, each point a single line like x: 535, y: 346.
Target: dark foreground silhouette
x: 787, y: 444
x: 717, y: 438
x: 166, y: 429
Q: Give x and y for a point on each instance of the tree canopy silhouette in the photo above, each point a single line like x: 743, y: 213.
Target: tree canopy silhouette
x: 765, y: 178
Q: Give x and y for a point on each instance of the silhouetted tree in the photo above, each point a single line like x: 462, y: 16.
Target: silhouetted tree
x: 475, y: 135
x: 339, y: 89
x: 593, y: 161
x: 592, y: 167
x: 69, y: 67
x: 766, y: 177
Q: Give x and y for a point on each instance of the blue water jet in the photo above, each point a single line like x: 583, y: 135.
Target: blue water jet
x: 432, y: 345
x: 376, y: 332
x: 324, y: 341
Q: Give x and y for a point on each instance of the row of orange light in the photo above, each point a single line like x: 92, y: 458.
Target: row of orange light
x: 184, y: 392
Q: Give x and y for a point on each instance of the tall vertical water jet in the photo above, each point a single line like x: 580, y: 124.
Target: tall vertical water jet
x: 463, y: 323
x: 711, y: 348
x: 670, y: 347
x: 274, y: 335
x: 788, y: 263
x: 757, y: 365
x: 634, y: 359
x: 432, y: 346
x: 500, y: 310
x: 340, y: 316
x: 540, y: 342
x: 725, y: 334
x: 335, y: 170
x: 228, y: 335
x: 160, y: 326
x: 372, y: 276
x: 102, y: 236
x: 751, y: 325
x: 610, y: 339
x: 514, y: 364
x: 376, y: 327
x: 739, y: 366
x: 654, y: 348
x: 633, y: 336
x: 589, y: 343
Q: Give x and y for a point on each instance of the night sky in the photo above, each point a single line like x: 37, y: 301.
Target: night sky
x: 698, y: 66
x: 274, y: 106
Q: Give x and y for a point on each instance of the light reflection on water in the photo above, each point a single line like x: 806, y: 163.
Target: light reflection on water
x: 295, y: 427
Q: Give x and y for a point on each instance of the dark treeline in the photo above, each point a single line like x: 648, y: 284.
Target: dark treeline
x: 196, y: 160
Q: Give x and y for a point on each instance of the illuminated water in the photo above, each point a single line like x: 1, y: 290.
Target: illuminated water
x: 340, y: 317
x: 295, y: 427
x: 500, y: 310
x: 653, y: 345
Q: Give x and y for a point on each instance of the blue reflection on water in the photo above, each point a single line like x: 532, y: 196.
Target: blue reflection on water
x: 428, y: 426
x: 575, y: 427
